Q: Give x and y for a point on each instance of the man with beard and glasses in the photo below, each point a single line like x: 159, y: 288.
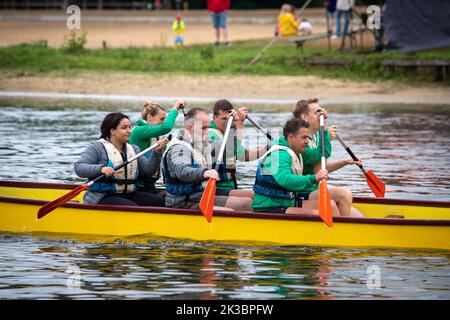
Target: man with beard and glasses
x: 187, y: 165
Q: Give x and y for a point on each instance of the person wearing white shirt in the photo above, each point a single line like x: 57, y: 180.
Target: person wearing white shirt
x: 344, y: 8
x: 305, y: 27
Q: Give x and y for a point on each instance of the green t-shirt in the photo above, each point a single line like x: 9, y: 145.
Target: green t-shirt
x: 143, y: 132
x: 284, y: 176
x: 313, y: 155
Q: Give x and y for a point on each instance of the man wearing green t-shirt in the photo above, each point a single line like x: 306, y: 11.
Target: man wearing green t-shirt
x: 234, y: 149
x: 309, y: 110
x: 280, y: 178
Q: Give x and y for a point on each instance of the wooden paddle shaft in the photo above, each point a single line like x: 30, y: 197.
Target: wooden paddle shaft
x: 350, y: 152
x: 260, y: 128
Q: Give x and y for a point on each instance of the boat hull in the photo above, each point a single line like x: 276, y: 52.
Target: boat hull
x: 19, y: 215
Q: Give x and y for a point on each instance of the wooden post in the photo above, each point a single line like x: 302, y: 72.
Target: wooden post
x: 328, y: 31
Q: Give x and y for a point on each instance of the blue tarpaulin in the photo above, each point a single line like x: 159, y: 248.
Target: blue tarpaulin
x: 412, y: 25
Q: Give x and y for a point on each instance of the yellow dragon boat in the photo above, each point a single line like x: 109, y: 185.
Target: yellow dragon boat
x: 388, y: 223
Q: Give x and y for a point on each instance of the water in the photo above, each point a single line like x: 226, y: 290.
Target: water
x: 407, y: 150
x: 43, y: 268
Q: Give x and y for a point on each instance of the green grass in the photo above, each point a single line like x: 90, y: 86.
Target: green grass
x: 282, y: 59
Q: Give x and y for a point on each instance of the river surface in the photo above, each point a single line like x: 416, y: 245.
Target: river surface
x: 408, y: 150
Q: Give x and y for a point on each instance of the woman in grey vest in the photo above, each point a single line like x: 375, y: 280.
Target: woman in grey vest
x: 100, y: 157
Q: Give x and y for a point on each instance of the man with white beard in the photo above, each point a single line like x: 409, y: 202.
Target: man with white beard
x: 187, y: 164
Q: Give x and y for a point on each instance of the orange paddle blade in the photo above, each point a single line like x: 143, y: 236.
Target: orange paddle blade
x: 325, y: 212
x: 208, y: 198
x: 377, y: 186
x: 49, y: 207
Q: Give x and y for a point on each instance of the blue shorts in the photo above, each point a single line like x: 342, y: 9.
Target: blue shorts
x: 179, y: 39
x: 219, y: 20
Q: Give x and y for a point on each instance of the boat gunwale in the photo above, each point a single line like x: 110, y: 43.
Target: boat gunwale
x: 405, y: 202
x: 228, y: 214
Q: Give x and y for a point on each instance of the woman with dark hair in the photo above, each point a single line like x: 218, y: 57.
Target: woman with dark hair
x: 119, y: 187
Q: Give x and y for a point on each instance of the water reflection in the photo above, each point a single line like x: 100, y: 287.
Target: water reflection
x: 34, y: 268
x: 407, y: 150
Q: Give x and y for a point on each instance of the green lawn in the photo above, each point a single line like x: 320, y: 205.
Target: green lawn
x: 281, y: 59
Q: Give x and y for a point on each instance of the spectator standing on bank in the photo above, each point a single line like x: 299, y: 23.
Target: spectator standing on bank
x: 178, y: 4
x: 344, y: 8
x: 218, y: 10
x: 330, y: 6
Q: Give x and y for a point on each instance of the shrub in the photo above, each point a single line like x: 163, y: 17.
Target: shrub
x: 75, y: 43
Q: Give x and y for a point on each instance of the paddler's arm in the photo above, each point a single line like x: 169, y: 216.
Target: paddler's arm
x: 180, y: 166
x: 285, y: 178
x: 88, y: 165
x: 313, y: 155
x: 146, y: 132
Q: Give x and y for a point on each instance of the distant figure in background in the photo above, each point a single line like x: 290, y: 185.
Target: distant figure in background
x: 178, y: 4
x: 178, y: 28
x: 344, y: 8
x: 287, y: 21
x: 157, y: 4
x: 219, y: 18
x: 330, y: 6
x: 305, y: 27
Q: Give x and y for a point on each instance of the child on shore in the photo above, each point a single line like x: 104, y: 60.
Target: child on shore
x: 178, y: 28
x: 305, y: 27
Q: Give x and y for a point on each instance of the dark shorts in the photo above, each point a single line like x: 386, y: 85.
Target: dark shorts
x: 280, y: 210
x: 136, y: 198
x: 300, y: 197
x: 219, y: 201
x: 219, y: 20
x: 223, y: 192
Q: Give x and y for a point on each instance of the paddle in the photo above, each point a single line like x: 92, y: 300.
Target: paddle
x: 377, y: 186
x: 49, y: 207
x: 253, y: 122
x: 209, y: 194
x: 324, y: 195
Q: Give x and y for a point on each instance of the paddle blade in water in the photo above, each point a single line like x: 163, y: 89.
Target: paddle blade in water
x: 207, y: 200
x: 49, y: 207
x: 325, y: 212
x: 377, y: 186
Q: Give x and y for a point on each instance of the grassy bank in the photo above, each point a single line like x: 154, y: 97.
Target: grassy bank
x: 282, y: 59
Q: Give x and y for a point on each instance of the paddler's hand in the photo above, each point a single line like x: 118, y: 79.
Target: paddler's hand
x: 107, y: 171
x: 322, y: 174
x: 237, y: 122
x: 161, y: 143
x: 333, y: 131
x: 325, y: 115
x: 180, y: 104
x: 242, y: 113
x: 211, y: 174
x: 346, y: 162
